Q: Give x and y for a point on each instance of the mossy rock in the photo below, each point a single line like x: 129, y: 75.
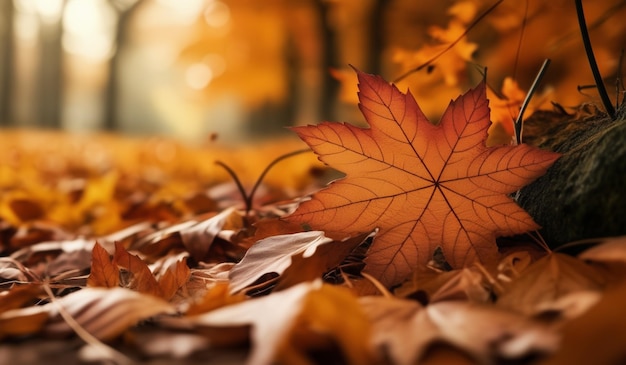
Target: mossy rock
x: 583, y: 195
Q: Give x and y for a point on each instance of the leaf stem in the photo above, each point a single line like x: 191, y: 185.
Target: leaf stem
x: 606, y: 101
x: 519, y: 121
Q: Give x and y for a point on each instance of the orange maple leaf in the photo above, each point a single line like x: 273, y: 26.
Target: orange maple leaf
x: 421, y: 185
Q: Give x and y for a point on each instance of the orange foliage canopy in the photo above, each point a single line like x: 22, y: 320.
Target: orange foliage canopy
x: 421, y: 185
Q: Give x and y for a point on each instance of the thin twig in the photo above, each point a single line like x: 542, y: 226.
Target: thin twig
x: 249, y: 197
x: 519, y: 122
x: 378, y: 285
x: 235, y: 178
x: 540, y: 241
x: 604, y: 96
x: 434, y: 58
x: 267, y: 169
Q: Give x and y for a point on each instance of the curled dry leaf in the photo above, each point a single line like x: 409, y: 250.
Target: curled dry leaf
x: 406, y: 330
x: 270, y: 317
x: 549, y: 279
x: 104, y: 313
x: 278, y: 320
x: 410, y: 178
x: 275, y: 254
x: 429, y: 286
x: 597, y: 336
x: 611, y: 250
x: 199, y: 237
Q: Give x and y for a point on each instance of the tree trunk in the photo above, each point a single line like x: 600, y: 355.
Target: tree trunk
x: 6, y: 62
x: 111, y: 119
x: 50, y: 84
x: 583, y: 195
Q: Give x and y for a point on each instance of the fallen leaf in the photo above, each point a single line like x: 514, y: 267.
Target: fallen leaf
x: 199, y: 237
x: 549, y: 279
x: 273, y: 254
x: 278, y: 322
x: 22, y: 322
x: 597, y: 336
x: 335, y: 313
x: 306, y: 266
x: 174, y: 278
x: 218, y: 296
x: 428, y: 286
x: 17, y: 296
x: 410, y: 178
x: 103, y: 272
x: 610, y: 250
x: 270, y: 317
x: 406, y: 330
x: 141, y: 278
x: 104, y: 313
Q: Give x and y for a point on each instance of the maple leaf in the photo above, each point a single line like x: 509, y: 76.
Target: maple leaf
x: 421, y: 185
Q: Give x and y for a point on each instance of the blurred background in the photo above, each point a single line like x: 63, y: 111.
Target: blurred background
x: 197, y: 70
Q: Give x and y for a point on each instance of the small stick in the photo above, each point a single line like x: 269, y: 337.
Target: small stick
x: 519, y: 122
x: 606, y: 101
x: 248, y: 197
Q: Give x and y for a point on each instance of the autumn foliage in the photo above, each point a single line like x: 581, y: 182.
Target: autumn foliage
x: 421, y: 185
x: 419, y: 254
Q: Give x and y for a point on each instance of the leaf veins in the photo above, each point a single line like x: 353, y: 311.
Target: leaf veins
x: 421, y: 185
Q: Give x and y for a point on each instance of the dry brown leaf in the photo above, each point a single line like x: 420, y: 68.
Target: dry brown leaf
x: 597, y: 336
x: 217, y: 296
x: 274, y: 254
x: 610, y: 250
x: 12, y: 270
x: 141, y: 278
x: 104, y: 313
x: 406, y: 330
x: 17, y: 296
x: 307, y: 266
x: 103, y: 272
x: 174, y: 278
x: 271, y: 319
x: 549, y: 279
x: 22, y: 322
x: 199, y: 237
x: 428, y: 286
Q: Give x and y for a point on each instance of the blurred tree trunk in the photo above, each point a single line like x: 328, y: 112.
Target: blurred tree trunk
x: 6, y: 62
x: 125, y: 10
x: 329, y: 86
x: 50, y: 83
x: 377, y: 36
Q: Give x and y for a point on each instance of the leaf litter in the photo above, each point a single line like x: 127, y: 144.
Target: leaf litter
x: 399, y: 262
